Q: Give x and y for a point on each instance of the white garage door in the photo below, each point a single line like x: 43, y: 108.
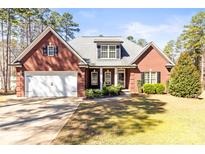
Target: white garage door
x: 51, y: 84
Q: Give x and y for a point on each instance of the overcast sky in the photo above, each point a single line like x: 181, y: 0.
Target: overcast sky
x: 158, y: 25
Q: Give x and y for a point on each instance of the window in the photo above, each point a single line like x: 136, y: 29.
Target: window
x: 108, y: 51
x: 104, y: 51
x: 112, y: 51
x: 150, y: 77
x: 153, y: 77
x: 94, y: 78
x: 51, y: 50
x: 108, y: 78
x: 146, y: 77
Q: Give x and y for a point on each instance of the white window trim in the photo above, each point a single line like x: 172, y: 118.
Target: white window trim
x: 150, y: 76
x: 108, y: 51
x: 155, y: 75
x: 49, y: 46
x: 92, y: 78
x: 110, y: 79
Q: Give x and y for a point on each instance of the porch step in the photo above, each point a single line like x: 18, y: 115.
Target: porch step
x: 126, y: 92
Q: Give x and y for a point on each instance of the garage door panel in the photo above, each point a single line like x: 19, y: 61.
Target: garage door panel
x: 55, y: 84
x: 37, y: 86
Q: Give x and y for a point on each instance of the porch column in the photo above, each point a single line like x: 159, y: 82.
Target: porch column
x: 101, y: 78
x: 115, y: 77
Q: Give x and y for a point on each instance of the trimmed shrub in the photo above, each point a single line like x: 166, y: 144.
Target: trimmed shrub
x: 105, y: 90
x: 159, y: 88
x: 149, y: 88
x: 114, y: 90
x: 89, y: 93
x: 185, y: 78
x: 97, y: 92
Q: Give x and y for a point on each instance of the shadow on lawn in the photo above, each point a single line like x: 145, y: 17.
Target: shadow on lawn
x: 123, y: 117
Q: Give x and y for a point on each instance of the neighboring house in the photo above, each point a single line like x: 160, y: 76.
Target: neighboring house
x: 51, y: 67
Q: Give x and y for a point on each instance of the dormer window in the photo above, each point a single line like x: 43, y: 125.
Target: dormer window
x: 108, y: 51
x: 50, y: 50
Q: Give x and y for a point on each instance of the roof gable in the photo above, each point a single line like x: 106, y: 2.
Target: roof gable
x: 39, y: 38
x: 157, y: 49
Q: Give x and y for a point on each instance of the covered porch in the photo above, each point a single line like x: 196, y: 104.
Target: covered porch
x: 97, y: 76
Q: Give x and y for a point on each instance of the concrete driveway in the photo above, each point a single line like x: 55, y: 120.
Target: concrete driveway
x: 33, y: 120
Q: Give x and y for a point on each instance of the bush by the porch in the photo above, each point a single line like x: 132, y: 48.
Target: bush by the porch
x: 157, y: 88
x: 160, y: 88
x: 106, y: 91
x: 149, y: 88
x: 185, y: 78
x: 114, y: 90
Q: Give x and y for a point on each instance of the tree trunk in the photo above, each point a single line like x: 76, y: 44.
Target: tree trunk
x: 3, y: 55
x: 9, y: 61
x: 7, y: 50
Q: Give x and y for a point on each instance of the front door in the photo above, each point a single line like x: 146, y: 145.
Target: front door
x: 121, y: 77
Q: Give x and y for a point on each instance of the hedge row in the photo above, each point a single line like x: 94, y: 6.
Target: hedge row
x: 157, y: 88
x: 106, y: 91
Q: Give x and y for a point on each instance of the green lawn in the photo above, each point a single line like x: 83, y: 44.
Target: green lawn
x: 154, y: 119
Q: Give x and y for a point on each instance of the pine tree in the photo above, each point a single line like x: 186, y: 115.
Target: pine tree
x: 68, y: 26
x: 141, y: 42
x: 169, y: 49
x: 193, y: 38
x: 185, y: 78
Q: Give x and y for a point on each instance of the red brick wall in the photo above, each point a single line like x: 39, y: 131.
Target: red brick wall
x: 151, y: 59
x: 64, y: 61
x: 19, y: 82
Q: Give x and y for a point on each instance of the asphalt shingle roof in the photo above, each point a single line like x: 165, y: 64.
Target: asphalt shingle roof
x: 87, y: 48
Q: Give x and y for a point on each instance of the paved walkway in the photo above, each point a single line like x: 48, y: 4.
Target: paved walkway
x: 33, y: 121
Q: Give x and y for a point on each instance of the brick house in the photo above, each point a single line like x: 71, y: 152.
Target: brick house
x: 49, y: 66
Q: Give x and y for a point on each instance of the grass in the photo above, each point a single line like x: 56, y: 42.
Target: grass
x: 154, y: 119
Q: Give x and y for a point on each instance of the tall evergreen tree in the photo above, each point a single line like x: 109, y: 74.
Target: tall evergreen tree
x: 68, y: 26
x: 141, y: 42
x: 185, y: 78
x: 169, y: 49
x: 54, y: 21
x: 193, y: 37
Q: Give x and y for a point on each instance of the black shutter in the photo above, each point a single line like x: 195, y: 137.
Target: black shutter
x: 142, y: 78
x: 118, y: 51
x: 98, y: 51
x: 45, y: 50
x: 56, y: 50
x: 158, y: 77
